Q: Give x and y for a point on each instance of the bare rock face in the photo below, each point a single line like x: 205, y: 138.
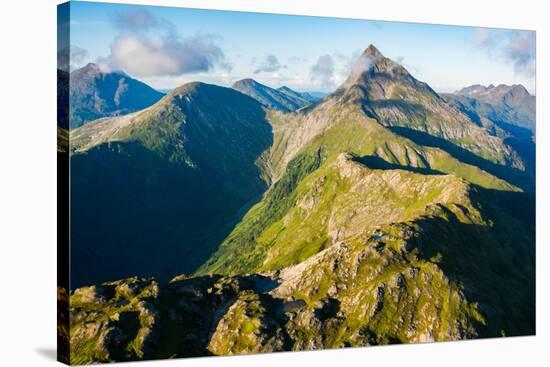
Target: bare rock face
x: 249, y: 326
x: 373, y: 289
x: 114, y: 321
x: 93, y: 294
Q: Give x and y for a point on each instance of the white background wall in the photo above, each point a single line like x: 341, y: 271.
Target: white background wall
x: 28, y: 182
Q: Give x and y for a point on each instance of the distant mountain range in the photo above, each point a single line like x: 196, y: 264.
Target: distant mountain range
x: 96, y: 93
x: 282, y: 99
x: 508, y: 111
x: 504, y: 104
x: 310, y: 97
x: 381, y: 213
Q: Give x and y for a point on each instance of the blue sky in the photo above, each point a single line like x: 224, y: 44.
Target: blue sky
x: 166, y: 47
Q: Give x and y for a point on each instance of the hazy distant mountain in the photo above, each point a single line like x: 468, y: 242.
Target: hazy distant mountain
x: 503, y: 104
x: 316, y: 96
x: 391, y: 216
x: 283, y: 99
x: 507, y: 110
x: 96, y: 94
x: 300, y: 96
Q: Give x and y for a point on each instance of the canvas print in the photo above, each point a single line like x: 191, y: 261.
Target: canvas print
x: 236, y: 183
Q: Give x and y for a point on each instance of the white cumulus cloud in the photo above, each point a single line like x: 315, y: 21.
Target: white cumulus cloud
x: 517, y: 48
x: 322, y: 71
x: 270, y: 65
x: 158, y: 56
x: 149, y: 46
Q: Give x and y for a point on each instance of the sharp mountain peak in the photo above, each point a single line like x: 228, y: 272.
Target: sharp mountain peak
x: 372, y: 64
x: 372, y: 51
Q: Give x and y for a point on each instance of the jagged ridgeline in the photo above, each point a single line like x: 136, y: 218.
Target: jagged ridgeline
x: 383, y: 213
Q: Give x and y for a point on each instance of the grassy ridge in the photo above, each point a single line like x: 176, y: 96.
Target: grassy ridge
x: 276, y: 233
x: 272, y: 208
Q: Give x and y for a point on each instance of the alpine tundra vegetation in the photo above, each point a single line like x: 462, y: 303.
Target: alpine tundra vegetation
x: 216, y: 221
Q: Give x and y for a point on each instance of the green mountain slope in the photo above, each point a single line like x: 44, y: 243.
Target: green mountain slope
x: 417, y: 114
x: 352, y: 175
x: 368, y: 142
x: 154, y: 192
x: 449, y: 274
